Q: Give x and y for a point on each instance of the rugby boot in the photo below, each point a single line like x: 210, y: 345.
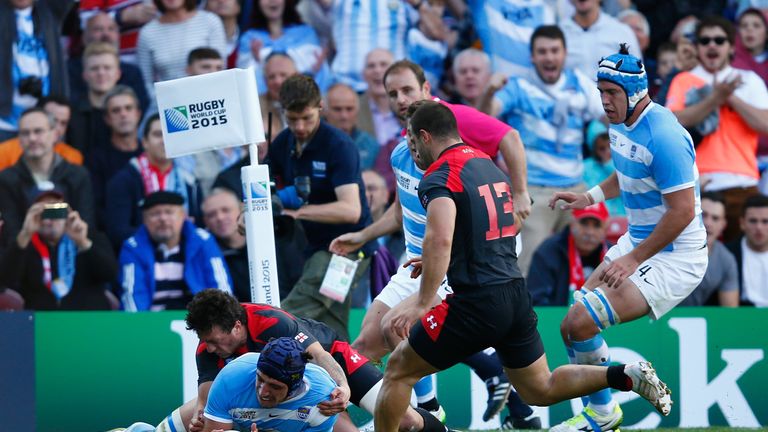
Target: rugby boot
x: 647, y: 384
x: 590, y: 420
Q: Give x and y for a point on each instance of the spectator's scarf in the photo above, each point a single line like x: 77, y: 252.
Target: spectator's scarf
x: 67, y: 251
x: 576, y: 277
x: 154, y: 180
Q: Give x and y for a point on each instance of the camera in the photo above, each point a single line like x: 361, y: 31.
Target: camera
x: 55, y: 211
x: 32, y: 86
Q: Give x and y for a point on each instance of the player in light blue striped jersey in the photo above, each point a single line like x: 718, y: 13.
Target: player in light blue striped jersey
x: 275, y: 390
x: 663, y: 256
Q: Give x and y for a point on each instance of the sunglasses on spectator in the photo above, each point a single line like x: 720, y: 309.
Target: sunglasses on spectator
x: 718, y: 40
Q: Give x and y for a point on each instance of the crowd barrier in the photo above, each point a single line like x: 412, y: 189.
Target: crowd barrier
x: 93, y: 371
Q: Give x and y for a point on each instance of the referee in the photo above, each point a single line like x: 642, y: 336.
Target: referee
x: 470, y: 236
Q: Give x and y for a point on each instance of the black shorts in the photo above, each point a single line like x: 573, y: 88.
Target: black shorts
x: 361, y: 374
x: 499, y: 316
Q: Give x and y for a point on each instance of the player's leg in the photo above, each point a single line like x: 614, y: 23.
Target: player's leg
x: 426, y: 396
x: 371, y: 341
x: 344, y: 423
x: 180, y: 419
x: 404, y: 369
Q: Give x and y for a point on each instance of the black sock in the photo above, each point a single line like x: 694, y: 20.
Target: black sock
x: 430, y: 405
x: 517, y: 408
x: 485, y: 366
x: 431, y: 423
x: 617, y: 379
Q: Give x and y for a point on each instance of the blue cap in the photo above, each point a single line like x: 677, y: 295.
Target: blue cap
x: 282, y: 360
x: 626, y: 71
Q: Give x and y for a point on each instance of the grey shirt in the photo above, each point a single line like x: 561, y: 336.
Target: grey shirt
x: 722, y: 275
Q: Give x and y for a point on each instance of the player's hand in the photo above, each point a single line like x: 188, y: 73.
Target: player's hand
x: 405, y: 318
x: 618, y: 270
x: 347, y: 243
x: 572, y: 200
x: 337, y: 403
x: 522, y: 205
x: 416, y: 265
x: 198, y: 422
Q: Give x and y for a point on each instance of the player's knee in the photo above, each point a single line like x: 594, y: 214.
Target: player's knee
x: 390, y: 338
x: 397, y: 368
x: 564, y: 331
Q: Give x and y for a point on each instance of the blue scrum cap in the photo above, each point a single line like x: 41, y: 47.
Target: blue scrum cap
x: 282, y: 360
x: 626, y: 71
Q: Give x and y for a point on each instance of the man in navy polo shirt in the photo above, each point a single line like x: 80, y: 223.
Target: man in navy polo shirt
x: 317, y: 170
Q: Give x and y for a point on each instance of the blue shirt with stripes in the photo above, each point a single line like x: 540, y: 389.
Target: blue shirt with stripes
x: 30, y: 59
x: 233, y: 399
x: 655, y: 156
x: 359, y: 26
x: 408, y: 176
x: 300, y: 42
x: 550, y: 119
x: 505, y: 28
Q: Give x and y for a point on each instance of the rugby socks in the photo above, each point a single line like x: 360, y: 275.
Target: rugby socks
x: 595, y: 352
x: 425, y: 391
x: 618, y: 379
x: 431, y: 423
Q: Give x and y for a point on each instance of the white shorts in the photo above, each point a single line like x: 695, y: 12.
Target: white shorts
x: 666, y: 278
x: 402, y: 286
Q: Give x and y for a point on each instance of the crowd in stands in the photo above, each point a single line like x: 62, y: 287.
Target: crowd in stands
x: 79, y: 126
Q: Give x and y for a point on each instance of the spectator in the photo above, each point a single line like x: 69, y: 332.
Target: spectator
x: 722, y: 276
x: 684, y: 38
x: 31, y: 61
x: 564, y: 261
x: 326, y: 157
x: 168, y: 260
x: 591, y: 34
x: 101, y: 27
x: 122, y: 116
x: 666, y: 60
x: 472, y: 72
x: 600, y: 165
x: 376, y: 193
x: 187, y: 28
x: 375, y: 116
x: 751, y: 252
x: 750, y: 53
x: 59, y: 108
x: 58, y: 262
x: 228, y: 11
x: 129, y: 15
x: 40, y: 169
x: 379, y: 24
x: 277, y: 68
x: 277, y: 27
x: 729, y: 108
x: 149, y: 172
x: 505, y: 27
x: 549, y: 110
x: 639, y: 25
x: 101, y: 72
x: 428, y: 46
x: 341, y: 111
x: 221, y: 210
x: 206, y: 165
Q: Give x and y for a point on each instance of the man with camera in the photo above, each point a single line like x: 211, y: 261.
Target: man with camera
x: 31, y: 57
x: 56, y: 262
x: 40, y: 169
x: 318, y: 176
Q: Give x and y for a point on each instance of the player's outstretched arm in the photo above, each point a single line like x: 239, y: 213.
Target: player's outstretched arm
x: 390, y: 222
x: 341, y: 394
x: 512, y: 150
x: 608, y: 188
x: 198, y: 422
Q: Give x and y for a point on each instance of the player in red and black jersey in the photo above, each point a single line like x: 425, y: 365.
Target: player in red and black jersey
x: 228, y: 329
x: 470, y: 237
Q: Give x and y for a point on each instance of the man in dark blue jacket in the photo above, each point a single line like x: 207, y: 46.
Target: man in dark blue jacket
x: 168, y: 260
x: 565, y: 260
